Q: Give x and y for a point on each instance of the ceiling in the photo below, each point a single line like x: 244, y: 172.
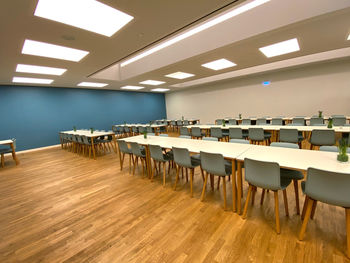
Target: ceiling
x: 153, y: 21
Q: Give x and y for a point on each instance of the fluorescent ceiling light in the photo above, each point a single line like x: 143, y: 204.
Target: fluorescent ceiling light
x: 92, y: 84
x: 90, y: 15
x: 179, y: 75
x: 349, y: 37
x: 132, y: 87
x: 152, y: 82
x: 42, y: 49
x: 219, y: 64
x: 40, y: 70
x: 280, y: 48
x: 236, y: 11
x: 31, y: 80
x: 159, y: 90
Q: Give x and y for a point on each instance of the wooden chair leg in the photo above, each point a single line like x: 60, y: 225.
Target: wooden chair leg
x: 122, y: 162
x: 224, y: 189
x: 304, y: 207
x: 191, y: 181
x: 164, y: 172
x: 130, y: 156
x: 204, y: 185
x: 313, y: 209
x: 177, y: 175
x: 285, y: 200
x: 244, y: 216
x: 262, y: 197
x: 296, y: 190
x: 309, y: 205
x: 253, y: 194
x: 153, y: 170
x: 134, y: 164
x: 143, y: 167
x: 186, y: 175
x: 277, y: 214
x: 202, y: 173
x: 347, y: 212
x: 218, y: 186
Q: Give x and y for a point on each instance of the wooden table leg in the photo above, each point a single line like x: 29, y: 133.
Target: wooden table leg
x: 14, y: 156
x: 115, y: 144
x: 234, y: 189
x: 148, y: 162
x: 93, y: 148
x: 239, y: 187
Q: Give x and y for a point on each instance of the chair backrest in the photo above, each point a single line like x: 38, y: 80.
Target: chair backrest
x: 186, y: 122
x: 179, y: 123
x: 85, y: 140
x: 134, y: 129
x: 173, y: 123
x: 314, y: 121
x: 298, y: 121
x: 196, y: 131
x: 235, y: 133
x: 216, y: 132
x: 123, y: 146
x: 185, y: 136
x: 289, y: 135
x: 322, y: 137
x: 261, y: 121
x: 262, y: 174
x: 239, y: 141
x: 163, y: 135
x: 246, y: 122
x: 232, y: 122
x: 339, y: 120
x: 285, y: 145
x: 142, y: 129
x: 135, y: 149
x: 277, y: 121
x: 328, y: 187
x: 210, y: 139
x: 79, y: 139
x: 331, y: 149
x: 149, y: 129
x: 219, y: 121
x: 256, y: 134
x: 182, y: 157
x: 184, y: 131
x: 213, y: 163
x: 156, y: 153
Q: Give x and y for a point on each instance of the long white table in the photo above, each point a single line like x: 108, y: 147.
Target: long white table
x: 14, y: 156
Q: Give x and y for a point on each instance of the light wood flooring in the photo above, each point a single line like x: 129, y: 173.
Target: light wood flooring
x: 57, y: 206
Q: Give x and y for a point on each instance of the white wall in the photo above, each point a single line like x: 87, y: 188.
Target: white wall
x: 301, y: 91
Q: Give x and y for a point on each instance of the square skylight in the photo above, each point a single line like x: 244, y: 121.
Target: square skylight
x: 90, y: 15
x: 280, y: 48
x: 180, y: 75
x: 92, y: 84
x: 132, y: 87
x: 43, y: 49
x: 40, y: 70
x: 152, y: 82
x: 160, y: 90
x: 219, y: 64
x: 31, y: 80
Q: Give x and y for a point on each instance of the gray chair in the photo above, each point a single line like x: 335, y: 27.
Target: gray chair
x: 135, y: 130
x: 331, y: 149
x: 149, y: 129
x: 184, y: 131
x: 216, y: 132
x: 159, y: 158
x: 186, y: 123
x: 126, y: 131
x: 185, y: 136
x: 299, y: 121
x: 232, y: 122
x: 291, y: 136
x: 235, y: 133
x: 215, y: 164
x: 173, y: 125
x: 124, y: 149
x: 141, y: 129
x: 210, y: 139
x: 246, y: 122
x: 339, y: 120
x: 261, y: 121
x: 196, y: 132
x: 139, y: 153
x: 179, y: 124
x: 6, y: 150
x: 219, y: 121
x: 182, y: 160
x: 327, y: 187
x: 294, y: 175
x: 267, y: 176
x: 316, y: 121
x: 322, y: 138
x: 277, y: 121
x: 257, y: 135
x: 239, y: 141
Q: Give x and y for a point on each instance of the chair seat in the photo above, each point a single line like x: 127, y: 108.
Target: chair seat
x: 6, y: 150
x: 291, y: 174
x: 285, y: 182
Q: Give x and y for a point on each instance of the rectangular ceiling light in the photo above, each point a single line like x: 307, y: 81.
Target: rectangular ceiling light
x: 92, y: 84
x: 349, y: 37
x: 132, y: 87
x: 179, y: 75
x: 42, y: 49
x: 160, y: 90
x: 280, y: 48
x: 40, y: 70
x: 90, y: 15
x: 219, y: 64
x: 31, y: 80
x: 235, y: 12
x: 152, y: 82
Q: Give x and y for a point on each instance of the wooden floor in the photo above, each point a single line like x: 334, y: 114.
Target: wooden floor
x: 57, y: 206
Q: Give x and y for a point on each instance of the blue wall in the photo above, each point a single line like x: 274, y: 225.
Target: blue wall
x: 35, y: 115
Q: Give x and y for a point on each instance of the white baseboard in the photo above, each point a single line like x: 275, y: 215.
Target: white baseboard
x: 36, y: 149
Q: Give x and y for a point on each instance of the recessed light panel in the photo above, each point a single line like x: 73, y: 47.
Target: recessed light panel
x: 31, y: 80
x: 40, y: 70
x: 90, y: 15
x: 160, y: 90
x: 43, y: 49
x: 180, y: 75
x: 349, y: 37
x: 219, y: 64
x: 152, y: 82
x: 281, y: 48
x: 132, y: 87
x: 92, y: 84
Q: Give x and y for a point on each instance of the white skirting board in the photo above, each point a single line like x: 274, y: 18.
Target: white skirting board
x: 36, y: 149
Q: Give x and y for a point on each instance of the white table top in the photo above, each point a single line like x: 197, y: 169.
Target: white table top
x: 283, y: 118
x: 5, y: 142
x: 340, y: 129
x: 140, y: 125
x: 296, y: 158
x: 228, y: 150
x: 88, y: 133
